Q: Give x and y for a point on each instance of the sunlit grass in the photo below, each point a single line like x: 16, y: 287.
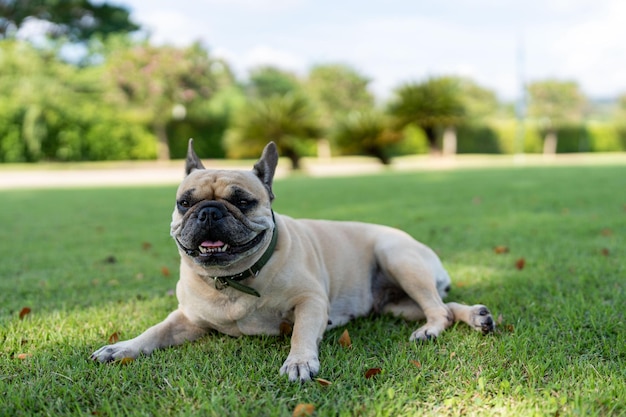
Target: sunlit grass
x: 94, y: 262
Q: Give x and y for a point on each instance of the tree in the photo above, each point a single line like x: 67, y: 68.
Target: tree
x: 555, y: 104
x: 432, y: 105
x: 78, y: 20
x: 267, y: 81
x: 285, y: 119
x: 338, y: 90
x: 53, y: 110
x: 367, y: 132
x: 161, y: 81
x: 479, y: 102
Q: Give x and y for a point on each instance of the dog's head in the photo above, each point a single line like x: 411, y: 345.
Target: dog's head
x: 223, y: 218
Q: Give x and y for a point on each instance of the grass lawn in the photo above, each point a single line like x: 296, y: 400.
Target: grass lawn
x: 92, y: 264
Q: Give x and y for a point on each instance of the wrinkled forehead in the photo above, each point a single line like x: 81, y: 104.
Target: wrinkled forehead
x: 212, y: 184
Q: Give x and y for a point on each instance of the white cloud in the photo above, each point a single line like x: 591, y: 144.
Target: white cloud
x: 267, y: 55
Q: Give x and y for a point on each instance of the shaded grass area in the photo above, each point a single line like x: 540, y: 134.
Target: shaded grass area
x: 91, y: 263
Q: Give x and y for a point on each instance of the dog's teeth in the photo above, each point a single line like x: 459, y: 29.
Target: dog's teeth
x: 225, y: 247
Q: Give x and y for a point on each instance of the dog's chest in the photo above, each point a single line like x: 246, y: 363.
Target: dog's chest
x: 263, y: 321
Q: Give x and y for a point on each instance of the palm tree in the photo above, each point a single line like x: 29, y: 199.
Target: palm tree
x: 432, y: 105
x: 288, y: 120
x: 367, y: 132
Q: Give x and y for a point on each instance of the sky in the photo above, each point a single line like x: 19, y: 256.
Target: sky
x: 497, y: 43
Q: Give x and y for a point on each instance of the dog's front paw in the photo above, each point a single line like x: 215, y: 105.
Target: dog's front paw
x: 482, y: 320
x: 300, y: 367
x: 114, y: 352
x: 426, y: 333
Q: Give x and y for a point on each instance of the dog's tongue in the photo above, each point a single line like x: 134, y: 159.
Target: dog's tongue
x: 211, y: 244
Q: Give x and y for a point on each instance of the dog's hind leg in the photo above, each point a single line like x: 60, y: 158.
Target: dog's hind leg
x: 478, y: 317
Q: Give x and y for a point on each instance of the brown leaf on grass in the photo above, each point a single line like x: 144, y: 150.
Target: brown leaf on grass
x: 499, y: 319
x: 303, y: 410
x: 285, y: 328
x: 344, y: 340
x: 605, y: 252
x: 416, y: 363
x: 22, y: 356
x: 510, y: 328
x: 501, y: 249
x: 372, y: 372
x: 110, y: 259
x: 323, y: 382
x: 124, y: 361
x: 24, y: 312
x: 520, y: 263
x: 114, y: 338
x: 146, y: 246
x: 165, y: 271
x: 607, y: 232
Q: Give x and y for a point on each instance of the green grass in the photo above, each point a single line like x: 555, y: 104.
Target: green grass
x: 90, y: 263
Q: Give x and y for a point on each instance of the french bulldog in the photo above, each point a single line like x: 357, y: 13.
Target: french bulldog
x: 246, y: 270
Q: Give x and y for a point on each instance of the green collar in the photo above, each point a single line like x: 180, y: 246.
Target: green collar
x: 253, y: 271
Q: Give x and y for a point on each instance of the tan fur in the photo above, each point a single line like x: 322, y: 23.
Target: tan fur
x: 322, y: 274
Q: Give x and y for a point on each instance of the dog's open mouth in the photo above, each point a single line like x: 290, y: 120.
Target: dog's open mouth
x: 209, y: 250
x: 209, y: 246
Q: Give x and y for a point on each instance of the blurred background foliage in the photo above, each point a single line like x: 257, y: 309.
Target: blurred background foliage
x: 89, y: 88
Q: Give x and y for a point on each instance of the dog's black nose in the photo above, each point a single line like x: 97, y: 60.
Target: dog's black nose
x: 210, y: 214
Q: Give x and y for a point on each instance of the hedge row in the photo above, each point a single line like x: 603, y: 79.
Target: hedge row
x: 506, y: 136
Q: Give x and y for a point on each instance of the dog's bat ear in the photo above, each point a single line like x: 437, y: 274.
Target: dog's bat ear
x: 193, y: 162
x: 266, y: 166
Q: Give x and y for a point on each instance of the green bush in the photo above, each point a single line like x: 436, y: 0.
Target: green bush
x: 572, y: 139
x: 606, y: 137
x: 507, y: 131
x: 207, y: 134
x: 477, y: 139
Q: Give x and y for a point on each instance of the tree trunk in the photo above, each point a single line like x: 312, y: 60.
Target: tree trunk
x: 549, y: 143
x: 431, y: 136
x: 449, y: 141
x: 163, y: 147
x: 293, y: 157
x: 379, y: 152
x: 323, y: 149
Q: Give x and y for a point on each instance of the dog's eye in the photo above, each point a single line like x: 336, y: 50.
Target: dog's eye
x: 184, y: 203
x: 243, y: 203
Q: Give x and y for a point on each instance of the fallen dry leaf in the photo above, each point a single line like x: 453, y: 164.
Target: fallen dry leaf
x: 416, y: 363
x: 23, y: 356
x: 501, y: 249
x: 344, y: 340
x: 24, y: 312
x: 323, y: 382
x: 303, y: 410
x: 520, y: 263
x: 124, y: 361
x: 285, y: 328
x: 165, y: 271
x: 372, y: 372
x: 146, y: 245
x: 499, y: 319
x: 114, y: 338
x: 605, y: 252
